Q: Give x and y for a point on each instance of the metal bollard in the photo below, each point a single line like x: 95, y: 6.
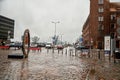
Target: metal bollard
x: 53, y: 50
x: 47, y: 50
x: 66, y: 51
x: 58, y: 51
x: 98, y: 54
x: 62, y: 51
x: 75, y: 52
x: 70, y: 52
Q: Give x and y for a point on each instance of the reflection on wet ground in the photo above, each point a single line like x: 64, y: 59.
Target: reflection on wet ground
x: 42, y: 66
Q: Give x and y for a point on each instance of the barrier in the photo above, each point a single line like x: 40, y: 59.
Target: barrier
x: 97, y: 54
x: 4, y: 47
x: 35, y: 48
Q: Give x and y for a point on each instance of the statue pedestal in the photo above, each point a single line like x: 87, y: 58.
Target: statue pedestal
x: 16, y: 56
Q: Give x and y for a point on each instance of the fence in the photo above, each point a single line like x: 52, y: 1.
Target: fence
x: 97, y: 54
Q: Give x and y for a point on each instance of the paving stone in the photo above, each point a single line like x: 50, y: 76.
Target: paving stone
x: 49, y: 66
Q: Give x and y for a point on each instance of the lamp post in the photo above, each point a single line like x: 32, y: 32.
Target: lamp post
x: 55, y: 26
x: 54, y: 35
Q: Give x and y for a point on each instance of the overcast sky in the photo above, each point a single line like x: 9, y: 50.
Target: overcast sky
x: 37, y: 16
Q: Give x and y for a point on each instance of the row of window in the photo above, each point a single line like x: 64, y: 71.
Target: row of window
x: 100, y: 27
x: 100, y: 9
x: 112, y: 17
x: 100, y: 2
x: 101, y: 18
x: 112, y: 26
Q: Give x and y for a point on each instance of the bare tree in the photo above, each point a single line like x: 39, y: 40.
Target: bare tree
x: 35, y: 39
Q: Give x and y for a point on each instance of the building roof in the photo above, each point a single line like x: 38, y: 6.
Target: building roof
x: 86, y: 23
x: 114, y: 6
x: 3, y: 17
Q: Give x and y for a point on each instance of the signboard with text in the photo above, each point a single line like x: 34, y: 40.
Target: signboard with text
x: 107, y: 43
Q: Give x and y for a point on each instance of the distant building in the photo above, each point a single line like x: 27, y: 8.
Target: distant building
x: 6, y: 28
x: 103, y: 20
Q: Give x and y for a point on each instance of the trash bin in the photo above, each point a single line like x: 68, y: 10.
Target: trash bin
x: 117, y: 53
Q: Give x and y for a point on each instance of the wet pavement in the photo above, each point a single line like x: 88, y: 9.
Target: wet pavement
x: 56, y: 66
x: 42, y: 66
x: 104, y: 70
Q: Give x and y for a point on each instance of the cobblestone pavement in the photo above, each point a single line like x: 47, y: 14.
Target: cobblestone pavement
x: 104, y: 70
x: 54, y: 66
x: 42, y: 66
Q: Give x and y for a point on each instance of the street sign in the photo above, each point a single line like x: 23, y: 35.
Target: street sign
x: 107, y: 43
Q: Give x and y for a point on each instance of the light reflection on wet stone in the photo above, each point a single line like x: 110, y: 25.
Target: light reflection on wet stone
x: 43, y: 66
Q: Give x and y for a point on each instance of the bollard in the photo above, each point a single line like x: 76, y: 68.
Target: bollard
x: 62, y: 51
x: 114, y: 55
x: 47, y: 50
x: 98, y: 54
x: 109, y: 56
x: 89, y: 54
x: 53, y: 50
x: 58, y: 51
x: 66, y: 51
x: 75, y: 52
x: 70, y: 52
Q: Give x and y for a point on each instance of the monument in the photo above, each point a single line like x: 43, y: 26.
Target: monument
x: 25, y: 46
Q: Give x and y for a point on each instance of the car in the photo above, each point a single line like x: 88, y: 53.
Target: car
x: 41, y: 45
x: 117, y: 53
x: 81, y: 47
x: 15, y: 44
x: 49, y: 45
x: 60, y: 47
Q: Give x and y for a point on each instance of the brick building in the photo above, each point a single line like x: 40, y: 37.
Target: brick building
x: 103, y: 18
x: 86, y: 33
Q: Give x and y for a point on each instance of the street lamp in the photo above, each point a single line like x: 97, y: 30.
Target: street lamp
x: 55, y: 25
x: 54, y: 42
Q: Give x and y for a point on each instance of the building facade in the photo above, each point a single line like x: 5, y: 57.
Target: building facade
x: 86, y: 33
x: 115, y: 23
x: 6, y: 28
x: 100, y: 23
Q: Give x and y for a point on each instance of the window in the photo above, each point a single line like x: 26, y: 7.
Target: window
x: 112, y: 26
x: 100, y: 9
x: 112, y: 35
x: 100, y: 27
x: 100, y: 1
x: 100, y: 18
x: 112, y: 16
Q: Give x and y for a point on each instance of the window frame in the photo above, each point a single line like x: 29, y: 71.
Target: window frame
x: 100, y: 2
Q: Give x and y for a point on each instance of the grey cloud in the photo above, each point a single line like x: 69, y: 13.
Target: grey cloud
x: 38, y: 14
